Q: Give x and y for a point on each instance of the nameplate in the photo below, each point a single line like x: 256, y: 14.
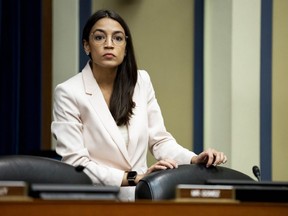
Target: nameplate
x: 205, y: 192
x: 73, y: 192
x: 13, y: 188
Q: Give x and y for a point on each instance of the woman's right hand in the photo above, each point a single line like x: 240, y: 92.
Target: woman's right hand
x: 159, y: 165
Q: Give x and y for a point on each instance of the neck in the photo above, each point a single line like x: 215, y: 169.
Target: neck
x: 104, y: 76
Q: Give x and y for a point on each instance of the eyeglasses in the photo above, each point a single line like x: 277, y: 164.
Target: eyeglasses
x: 100, y: 38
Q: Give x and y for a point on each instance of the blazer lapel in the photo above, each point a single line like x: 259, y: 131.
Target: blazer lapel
x: 98, y: 102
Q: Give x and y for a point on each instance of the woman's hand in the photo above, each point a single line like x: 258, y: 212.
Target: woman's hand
x: 159, y: 165
x: 209, y: 157
x: 162, y: 165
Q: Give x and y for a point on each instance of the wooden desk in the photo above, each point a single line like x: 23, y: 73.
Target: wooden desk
x: 143, y: 208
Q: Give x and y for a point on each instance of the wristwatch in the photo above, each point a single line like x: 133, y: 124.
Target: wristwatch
x: 131, y: 176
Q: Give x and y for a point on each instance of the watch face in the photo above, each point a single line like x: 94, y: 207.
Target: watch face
x: 132, y: 175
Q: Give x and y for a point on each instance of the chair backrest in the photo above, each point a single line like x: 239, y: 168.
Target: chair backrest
x: 161, y: 185
x: 36, y: 169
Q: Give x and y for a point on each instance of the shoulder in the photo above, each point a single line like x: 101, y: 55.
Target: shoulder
x: 72, y: 81
x: 69, y: 86
x: 76, y: 81
x: 144, y: 83
x: 143, y: 76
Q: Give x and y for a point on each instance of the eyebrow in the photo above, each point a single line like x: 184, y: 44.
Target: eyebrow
x: 101, y: 30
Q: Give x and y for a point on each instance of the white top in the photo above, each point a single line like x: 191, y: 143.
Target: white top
x: 124, y: 132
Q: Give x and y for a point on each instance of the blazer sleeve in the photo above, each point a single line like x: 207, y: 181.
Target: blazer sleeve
x: 67, y: 130
x: 161, y: 143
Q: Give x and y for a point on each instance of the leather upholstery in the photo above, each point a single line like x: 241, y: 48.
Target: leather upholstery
x: 36, y: 169
x: 161, y: 185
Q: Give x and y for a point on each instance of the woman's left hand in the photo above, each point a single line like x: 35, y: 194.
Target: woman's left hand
x: 209, y: 157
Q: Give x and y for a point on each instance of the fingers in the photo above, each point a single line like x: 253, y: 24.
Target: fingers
x: 224, y: 159
x: 212, y: 157
x: 163, y: 165
x: 167, y: 163
x: 219, y: 158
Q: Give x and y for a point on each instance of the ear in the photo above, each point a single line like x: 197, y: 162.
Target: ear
x: 86, y: 47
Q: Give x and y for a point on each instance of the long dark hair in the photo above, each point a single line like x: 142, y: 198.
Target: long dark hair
x: 121, y: 101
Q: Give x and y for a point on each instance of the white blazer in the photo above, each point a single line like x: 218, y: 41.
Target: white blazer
x: 87, y: 134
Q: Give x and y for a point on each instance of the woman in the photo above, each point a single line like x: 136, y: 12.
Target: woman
x: 107, y: 116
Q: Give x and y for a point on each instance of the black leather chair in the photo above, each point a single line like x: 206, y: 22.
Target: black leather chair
x: 36, y: 169
x: 161, y: 185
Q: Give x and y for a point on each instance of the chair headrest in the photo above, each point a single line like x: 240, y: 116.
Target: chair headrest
x: 36, y: 169
x: 162, y: 184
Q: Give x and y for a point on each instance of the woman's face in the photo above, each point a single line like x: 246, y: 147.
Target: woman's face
x: 107, y: 43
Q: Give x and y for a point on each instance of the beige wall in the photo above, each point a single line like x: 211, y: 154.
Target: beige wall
x: 163, y: 39
x: 280, y: 91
